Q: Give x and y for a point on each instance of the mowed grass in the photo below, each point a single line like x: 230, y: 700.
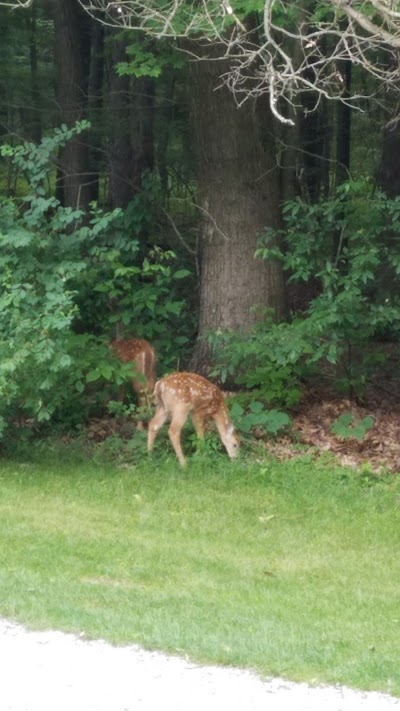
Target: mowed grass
x: 288, y: 568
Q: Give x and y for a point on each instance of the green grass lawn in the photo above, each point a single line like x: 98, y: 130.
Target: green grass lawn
x: 289, y: 568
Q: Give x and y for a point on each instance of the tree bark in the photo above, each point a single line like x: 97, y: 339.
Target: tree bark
x: 95, y: 98
x: 389, y: 173
x: 121, y: 155
x: 132, y: 111
x: 238, y: 197
x: 33, y: 116
x: 315, y: 140
x: 72, y: 37
x: 166, y: 107
x: 343, y: 136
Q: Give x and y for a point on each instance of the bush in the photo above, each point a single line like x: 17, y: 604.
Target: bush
x: 66, y: 278
x: 269, y: 360
x: 351, y: 244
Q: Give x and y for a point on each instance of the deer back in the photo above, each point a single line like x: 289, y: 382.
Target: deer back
x: 190, y: 389
x: 141, y: 353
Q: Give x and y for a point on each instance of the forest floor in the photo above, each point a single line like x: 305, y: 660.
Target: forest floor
x: 378, y: 451
x: 379, y: 448
x: 312, y: 422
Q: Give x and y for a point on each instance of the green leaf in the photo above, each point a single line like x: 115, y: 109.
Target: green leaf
x: 174, y: 307
x: 93, y: 375
x: 106, y: 371
x: 344, y: 427
x: 277, y: 420
x: 236, y: 410
x: 181, y: 274
x: 256, y: 406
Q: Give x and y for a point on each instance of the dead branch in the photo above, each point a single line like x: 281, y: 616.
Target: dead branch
x: 12, y: 5
x: 293, y: 51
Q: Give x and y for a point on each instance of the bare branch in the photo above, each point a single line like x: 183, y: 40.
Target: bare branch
x: 12, y: 5
x: 179, y: 235
x: 374, y: 30
x: 294, y: 51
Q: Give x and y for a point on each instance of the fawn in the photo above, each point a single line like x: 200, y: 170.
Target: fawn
x: 182, y: 394
x: 143, y: 358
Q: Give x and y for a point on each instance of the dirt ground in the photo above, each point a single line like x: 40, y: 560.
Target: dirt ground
x: 312, y: 421
x: 378, y: 450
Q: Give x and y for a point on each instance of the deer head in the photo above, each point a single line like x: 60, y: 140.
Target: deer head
x: 181, y: 395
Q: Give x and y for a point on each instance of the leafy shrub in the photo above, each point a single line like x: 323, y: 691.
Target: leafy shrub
x: 270, y: 360
x: 133, y: 283
x: 65, y: 280
x: 351, y: 244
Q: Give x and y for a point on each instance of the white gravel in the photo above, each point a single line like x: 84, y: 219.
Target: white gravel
x: 52, y: 671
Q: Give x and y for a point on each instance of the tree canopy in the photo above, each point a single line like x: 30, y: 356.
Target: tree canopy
x: 283, y: 49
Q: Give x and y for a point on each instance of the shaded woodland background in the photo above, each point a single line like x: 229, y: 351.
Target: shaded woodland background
x: 145, y: 218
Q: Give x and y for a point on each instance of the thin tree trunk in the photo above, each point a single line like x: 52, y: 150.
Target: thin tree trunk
x: 343, y: 136
x: 165, y: 115
x: 389, y: 174
x: 132, y: 109
x: 5, y: 68
x: 96, y: 80
x: 121, y: 188
x: 34, y: 119
x: 315, y: 135
x: 143, y: 127
x: 72, y: 36
x: 316, y: 139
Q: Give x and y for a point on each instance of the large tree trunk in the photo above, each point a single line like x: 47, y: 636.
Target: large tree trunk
x: 72, y: 36
x: 238, y: 196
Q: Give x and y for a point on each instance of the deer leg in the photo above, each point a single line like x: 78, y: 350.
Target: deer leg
x: 178, y: 420
x: 198, y: 424
x: 142, y: 400
x: 155, y: 425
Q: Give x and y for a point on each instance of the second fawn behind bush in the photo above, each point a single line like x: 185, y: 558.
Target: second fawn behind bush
x: 142, y: 355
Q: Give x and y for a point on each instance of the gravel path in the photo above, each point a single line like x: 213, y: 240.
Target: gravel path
x: 52, y: 671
